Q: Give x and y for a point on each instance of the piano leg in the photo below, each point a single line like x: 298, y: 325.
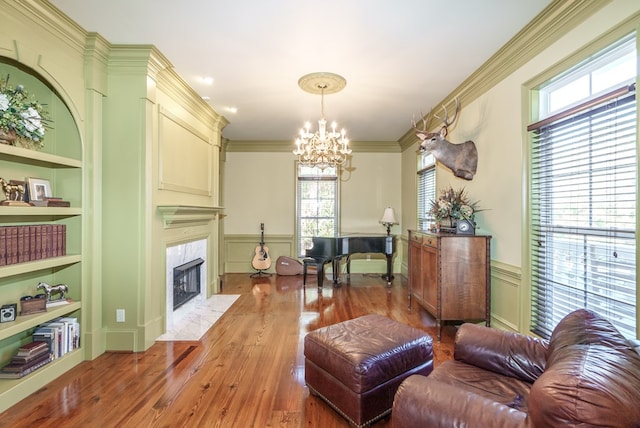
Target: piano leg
x: 320, y: 274
x: 335, y: 265
x: 389, y: 275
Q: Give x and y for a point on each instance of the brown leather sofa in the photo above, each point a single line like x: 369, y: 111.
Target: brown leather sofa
x: 586, y: 375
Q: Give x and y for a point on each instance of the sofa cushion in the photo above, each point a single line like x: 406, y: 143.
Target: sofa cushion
x: 505, y: 390
x: 592, y: 376
x: 509, y: 354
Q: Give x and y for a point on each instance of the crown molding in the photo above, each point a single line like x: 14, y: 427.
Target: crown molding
x: 288, y: 146
x: 553, y: 22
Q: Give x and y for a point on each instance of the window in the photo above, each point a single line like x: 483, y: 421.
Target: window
x: 426, y: 189
x: 582, y: 190
x: 317, y: 204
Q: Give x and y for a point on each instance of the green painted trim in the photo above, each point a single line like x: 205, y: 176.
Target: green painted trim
x: 506, y: 272
x: 529, y: 99
x: 555, y: 20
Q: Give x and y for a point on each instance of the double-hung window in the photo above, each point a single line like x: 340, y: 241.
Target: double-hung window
x: 583, y: 190
x: 316, y: 203
x: 426, y: 189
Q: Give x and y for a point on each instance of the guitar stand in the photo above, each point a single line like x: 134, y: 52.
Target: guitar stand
x: 260, y: 273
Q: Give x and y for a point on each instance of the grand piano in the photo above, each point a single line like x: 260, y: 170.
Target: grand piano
x: 332, y: 250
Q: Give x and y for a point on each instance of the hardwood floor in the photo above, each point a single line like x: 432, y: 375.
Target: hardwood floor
x: 246, y: 371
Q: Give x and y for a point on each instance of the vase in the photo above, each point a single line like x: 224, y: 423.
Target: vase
x: 7, y: 136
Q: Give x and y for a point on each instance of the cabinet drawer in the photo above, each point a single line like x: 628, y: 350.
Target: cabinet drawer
x: 416, y: 238
x: 430, y: 241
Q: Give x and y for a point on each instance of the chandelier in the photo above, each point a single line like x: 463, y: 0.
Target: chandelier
x: 323, y: 148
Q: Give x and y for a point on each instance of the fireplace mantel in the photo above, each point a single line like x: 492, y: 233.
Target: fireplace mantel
x: 187, y: 215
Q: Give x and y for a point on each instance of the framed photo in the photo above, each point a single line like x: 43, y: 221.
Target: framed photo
x: 39, y: 189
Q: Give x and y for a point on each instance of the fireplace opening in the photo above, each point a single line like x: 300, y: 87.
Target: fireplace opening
x: 186, y: 282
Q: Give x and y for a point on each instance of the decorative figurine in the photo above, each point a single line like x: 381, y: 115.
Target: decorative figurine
x: 13, y: 193
x: 49, y: 291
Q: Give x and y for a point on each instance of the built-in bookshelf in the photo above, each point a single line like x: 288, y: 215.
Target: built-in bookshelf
x: 21, y: 279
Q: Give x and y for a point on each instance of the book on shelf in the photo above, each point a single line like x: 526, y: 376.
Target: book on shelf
x: 8, y: 374
x: 50, y: 202
x: 19, y: 244
x: 32, y: 348
x: 3, y: 246
x: 62, y: 334
x: 18, y: 366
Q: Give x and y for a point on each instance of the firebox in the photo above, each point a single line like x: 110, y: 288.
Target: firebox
x: 186, y: 282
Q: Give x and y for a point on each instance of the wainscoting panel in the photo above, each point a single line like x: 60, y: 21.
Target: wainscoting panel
x: 240, y: 250
x: 505, y: 296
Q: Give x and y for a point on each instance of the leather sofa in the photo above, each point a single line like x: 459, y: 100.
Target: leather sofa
x: 587, y: 374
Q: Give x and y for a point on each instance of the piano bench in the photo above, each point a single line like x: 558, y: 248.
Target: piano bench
x: 356, y: 366
x: 315, y: 267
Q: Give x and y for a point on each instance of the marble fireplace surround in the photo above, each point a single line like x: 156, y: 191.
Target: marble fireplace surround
x: 189, y: 233
x: 177, y: 255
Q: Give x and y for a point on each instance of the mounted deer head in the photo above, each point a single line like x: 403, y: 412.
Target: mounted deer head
x: 461, y: 159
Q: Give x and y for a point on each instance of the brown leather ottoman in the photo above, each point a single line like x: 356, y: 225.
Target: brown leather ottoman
x: 356, y: 366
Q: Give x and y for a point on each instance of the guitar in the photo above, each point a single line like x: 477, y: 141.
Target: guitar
x: 261, y: 260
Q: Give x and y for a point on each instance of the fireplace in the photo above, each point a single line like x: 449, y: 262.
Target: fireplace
x: 186, y: 282
x: 182, y: 297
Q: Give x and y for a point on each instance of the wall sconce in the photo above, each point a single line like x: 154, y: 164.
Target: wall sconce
x: 388, y: 219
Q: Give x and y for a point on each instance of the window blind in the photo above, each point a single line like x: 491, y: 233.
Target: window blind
x: 583, y: 210
x: 426, y: 194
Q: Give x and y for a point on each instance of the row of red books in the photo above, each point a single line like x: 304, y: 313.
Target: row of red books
x: 19, y: 244
x: 29, y: 358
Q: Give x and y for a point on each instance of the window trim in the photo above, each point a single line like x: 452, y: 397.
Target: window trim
x: 297, y: 234
x: 530, y: 94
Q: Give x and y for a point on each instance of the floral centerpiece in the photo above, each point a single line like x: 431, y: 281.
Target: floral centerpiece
x: 453, y: 205
x: 22, y: 118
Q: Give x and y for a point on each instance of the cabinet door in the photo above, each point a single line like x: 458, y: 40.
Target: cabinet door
x: 430, y: 279
x: 464, y: 278
x: 415, y: 269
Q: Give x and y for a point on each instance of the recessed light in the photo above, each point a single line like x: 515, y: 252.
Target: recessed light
x: 207, y: 80
x: 206, y: 98
x: 231, y: 109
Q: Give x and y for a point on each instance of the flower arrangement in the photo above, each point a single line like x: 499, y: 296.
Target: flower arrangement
x: 453, y: 204
x: 21, y: 116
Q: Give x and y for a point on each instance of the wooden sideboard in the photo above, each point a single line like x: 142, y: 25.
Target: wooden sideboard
x: 450, y: 275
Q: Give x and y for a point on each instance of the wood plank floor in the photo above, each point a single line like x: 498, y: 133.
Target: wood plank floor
x: 246, y: 371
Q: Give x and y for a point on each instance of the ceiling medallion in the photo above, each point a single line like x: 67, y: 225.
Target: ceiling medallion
x: 322, y: 148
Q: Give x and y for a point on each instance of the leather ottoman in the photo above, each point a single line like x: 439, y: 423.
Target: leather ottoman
x: 356, y: 366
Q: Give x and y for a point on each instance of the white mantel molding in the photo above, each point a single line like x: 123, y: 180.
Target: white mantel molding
x: 187, y: 215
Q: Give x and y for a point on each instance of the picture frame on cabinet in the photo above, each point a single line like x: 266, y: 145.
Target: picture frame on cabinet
x: 39, y: 189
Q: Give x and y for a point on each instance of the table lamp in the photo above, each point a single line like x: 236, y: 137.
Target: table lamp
x: 388, y: 219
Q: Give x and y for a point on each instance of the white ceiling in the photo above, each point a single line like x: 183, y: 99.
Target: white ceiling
x: 399, y: 57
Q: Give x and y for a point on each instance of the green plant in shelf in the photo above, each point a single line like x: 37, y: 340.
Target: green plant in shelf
x: 22, y: 117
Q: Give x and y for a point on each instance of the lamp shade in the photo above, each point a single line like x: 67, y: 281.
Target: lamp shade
x: 389, y: 217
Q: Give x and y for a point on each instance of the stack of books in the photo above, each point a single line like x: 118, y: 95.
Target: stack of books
x: 62, y: 335
x: 50, y: 201
x: 29, y: 358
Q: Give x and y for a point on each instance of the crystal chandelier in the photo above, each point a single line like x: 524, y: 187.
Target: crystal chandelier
x: 323, y: 148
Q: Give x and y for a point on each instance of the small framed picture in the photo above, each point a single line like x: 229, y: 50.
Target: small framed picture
x: 39, y: 189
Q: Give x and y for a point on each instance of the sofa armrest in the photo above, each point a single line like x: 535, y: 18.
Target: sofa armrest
x: 510, y: 354
x: 422, y: 402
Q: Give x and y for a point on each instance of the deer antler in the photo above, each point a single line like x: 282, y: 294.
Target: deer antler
x: 425, y: 121
x: 446, y: 123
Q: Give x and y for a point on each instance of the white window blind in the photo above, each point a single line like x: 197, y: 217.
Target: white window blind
x: 426, y: 190
x: 583, y: 211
